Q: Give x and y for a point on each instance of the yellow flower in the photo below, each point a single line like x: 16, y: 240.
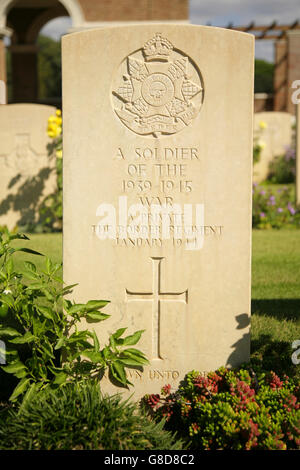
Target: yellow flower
x: 59, y: 153
x: 51, y: 119
x: 261, y: 144
x: 263, y: 125
x: 54, y: 130
x: 55, y: 125
x: 51, y: 134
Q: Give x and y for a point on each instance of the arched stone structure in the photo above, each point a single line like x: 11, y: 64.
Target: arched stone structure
x: 22, y: 20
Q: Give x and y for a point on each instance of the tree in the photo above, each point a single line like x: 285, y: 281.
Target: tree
x: 49, y: 68
x: 263, y: 79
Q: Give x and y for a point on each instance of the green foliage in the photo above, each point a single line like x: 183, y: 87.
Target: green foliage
x: 78, y: 417
x: 283, y: 168
x: 256, y: 152
x: 8, y: 75
x: 258, y: 143
x: 51, y: 208
x: 232, y: 409
x: 45, y: 346
x: 273, y: 210
x: 263, y: 78
x: 49, y: 68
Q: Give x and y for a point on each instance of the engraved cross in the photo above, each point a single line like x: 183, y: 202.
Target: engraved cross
x: 156, y: 296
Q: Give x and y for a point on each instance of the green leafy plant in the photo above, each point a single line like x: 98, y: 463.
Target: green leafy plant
x: 283, y: 168
x: 51, y: 208
x: 78, y: 417
x: 258, y: 144
x: 232, y: 409
x: 272, y: 209
x: 45, y: 346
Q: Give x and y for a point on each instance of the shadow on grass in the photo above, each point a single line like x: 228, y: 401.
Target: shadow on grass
x: 274, y: 355
x: 285, y: 309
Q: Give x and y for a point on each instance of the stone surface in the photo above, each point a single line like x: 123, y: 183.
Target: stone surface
x: 2, y: 60
x: 129, y: 10
x: 157, y: 190
x: 298, y: 155
x: 293, y: 67
x: 280, y: 75
x: 275, y: 137
x: 26, y: 172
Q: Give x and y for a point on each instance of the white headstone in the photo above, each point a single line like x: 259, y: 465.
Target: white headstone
x: 157, y: 190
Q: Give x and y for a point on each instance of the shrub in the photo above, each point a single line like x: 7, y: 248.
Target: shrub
x: 78, y: 417
x: 273, y: 209
x: 232, y: 409
x: 44, y: 344
x: 283, y: 168
x: 51, y: 208
x: 258, y: 144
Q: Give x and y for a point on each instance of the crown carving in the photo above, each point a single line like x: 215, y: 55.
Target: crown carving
x: 157, y: 48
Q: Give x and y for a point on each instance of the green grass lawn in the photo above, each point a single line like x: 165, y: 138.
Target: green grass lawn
x: 275, y: 291
x: 275, y: 297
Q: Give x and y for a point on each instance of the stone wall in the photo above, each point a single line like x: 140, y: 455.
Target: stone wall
x: 134, y: 10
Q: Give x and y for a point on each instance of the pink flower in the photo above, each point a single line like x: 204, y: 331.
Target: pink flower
x: 291, y: 209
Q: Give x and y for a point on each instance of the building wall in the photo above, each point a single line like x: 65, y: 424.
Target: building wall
x: 134, y: 10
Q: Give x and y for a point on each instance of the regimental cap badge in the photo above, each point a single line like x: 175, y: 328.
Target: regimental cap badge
x: 157, y: 48
x: 158, y: 90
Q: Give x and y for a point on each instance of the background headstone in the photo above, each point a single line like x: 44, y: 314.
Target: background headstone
x: 157, y: 190
x: 276, y: 137
x: 27, y: 173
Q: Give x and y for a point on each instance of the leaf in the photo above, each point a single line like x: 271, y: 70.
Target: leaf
x: 27, y: 338
x: 139, y: 360
x: 20, y: 388
x: 28, y: 250
x: 133, y: 339
x: 119, y: 332
x: 76, y: 308
x: 34, y: 285
x: 130, y: 362
x: 68, y: 289
x: 60, y: 378
x: 96, y: 304
x: 8, y: 331
x: 14, y: 367
x: 95, y: 316
x: 118, y: 372
x: 67, y: 304
x: 107, y: 354
x: 96, y: 342
x: 46, y: 350
x: 7, y: 299
x: 93, y: 355
x: 34, y: 387
x: 18, y: 236
x: 47, y: 312
x: 135, y: 352
x: 60, y: 343
x: 30, y: 266
x: 49, y: 265
x: 9, y: 267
